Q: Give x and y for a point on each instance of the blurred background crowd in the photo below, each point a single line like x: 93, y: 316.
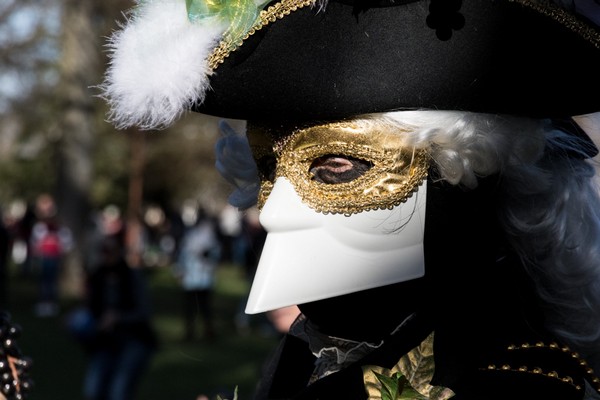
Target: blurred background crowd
x: 75, y: 193
x: 103, y: 304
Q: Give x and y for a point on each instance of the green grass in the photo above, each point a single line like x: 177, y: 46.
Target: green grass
x: 179, y: 370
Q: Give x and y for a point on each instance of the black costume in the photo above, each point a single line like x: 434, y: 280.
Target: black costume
x: 501, y: 351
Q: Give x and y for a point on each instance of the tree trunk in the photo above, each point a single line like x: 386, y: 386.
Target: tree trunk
x: 134, y: 236
x: 78, y: 68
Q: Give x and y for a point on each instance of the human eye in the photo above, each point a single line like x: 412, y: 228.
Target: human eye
x: 336, y: 168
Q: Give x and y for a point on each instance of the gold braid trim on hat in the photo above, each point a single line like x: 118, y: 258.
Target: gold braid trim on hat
x: 286, y: 7
x: 271, y: 14
x: 565, y: 18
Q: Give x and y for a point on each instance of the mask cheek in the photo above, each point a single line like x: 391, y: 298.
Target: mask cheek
x: 381, y: 230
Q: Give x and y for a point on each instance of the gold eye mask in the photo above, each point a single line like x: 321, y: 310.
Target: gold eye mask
x: 395, y: 173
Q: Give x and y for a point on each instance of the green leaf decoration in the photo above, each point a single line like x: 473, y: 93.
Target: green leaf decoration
x: 198, y: 10
x: 390, y: 385
x: 409, y: 379
x: 240, y: 15
x: 411, y: 394
x: 397, y: 387
x: 418, y: 366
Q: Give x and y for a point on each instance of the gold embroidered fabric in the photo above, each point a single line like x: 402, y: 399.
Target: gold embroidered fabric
x: 414, y: 370
x: 396, y: 172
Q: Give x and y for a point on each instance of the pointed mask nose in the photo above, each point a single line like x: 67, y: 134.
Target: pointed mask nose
x: 284, y: 210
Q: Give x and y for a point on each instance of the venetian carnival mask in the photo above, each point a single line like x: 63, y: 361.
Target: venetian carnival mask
x: 344, y: 208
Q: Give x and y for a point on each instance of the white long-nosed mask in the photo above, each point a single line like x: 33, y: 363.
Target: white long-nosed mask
x: 331, y: 239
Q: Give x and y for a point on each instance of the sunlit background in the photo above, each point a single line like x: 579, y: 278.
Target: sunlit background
x: 54, y: 140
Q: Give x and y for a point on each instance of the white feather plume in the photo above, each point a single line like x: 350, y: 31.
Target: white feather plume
x: 158, y: 65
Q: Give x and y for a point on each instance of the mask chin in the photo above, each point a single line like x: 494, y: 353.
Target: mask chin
x: 310, y: 256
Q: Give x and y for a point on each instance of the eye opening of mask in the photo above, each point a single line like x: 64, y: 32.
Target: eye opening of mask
x: 332, y: 169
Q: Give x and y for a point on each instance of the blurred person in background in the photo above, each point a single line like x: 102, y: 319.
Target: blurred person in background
x: 195, y: 268
x: 50, y: 242
x: 123, y: 341
x: 20, y: 218
x: 230, y: 233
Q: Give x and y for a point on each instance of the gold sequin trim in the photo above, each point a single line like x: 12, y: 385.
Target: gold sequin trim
x: 565, y: 18
x: 397, y: 170
x: 271, y: 14
x: 379, y: 188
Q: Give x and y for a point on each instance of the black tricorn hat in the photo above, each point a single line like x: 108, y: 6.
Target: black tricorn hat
x: 323, y: 60
x: 523, y: 57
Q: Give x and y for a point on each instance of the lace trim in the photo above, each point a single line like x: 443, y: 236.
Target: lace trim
x: 333, y: 353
